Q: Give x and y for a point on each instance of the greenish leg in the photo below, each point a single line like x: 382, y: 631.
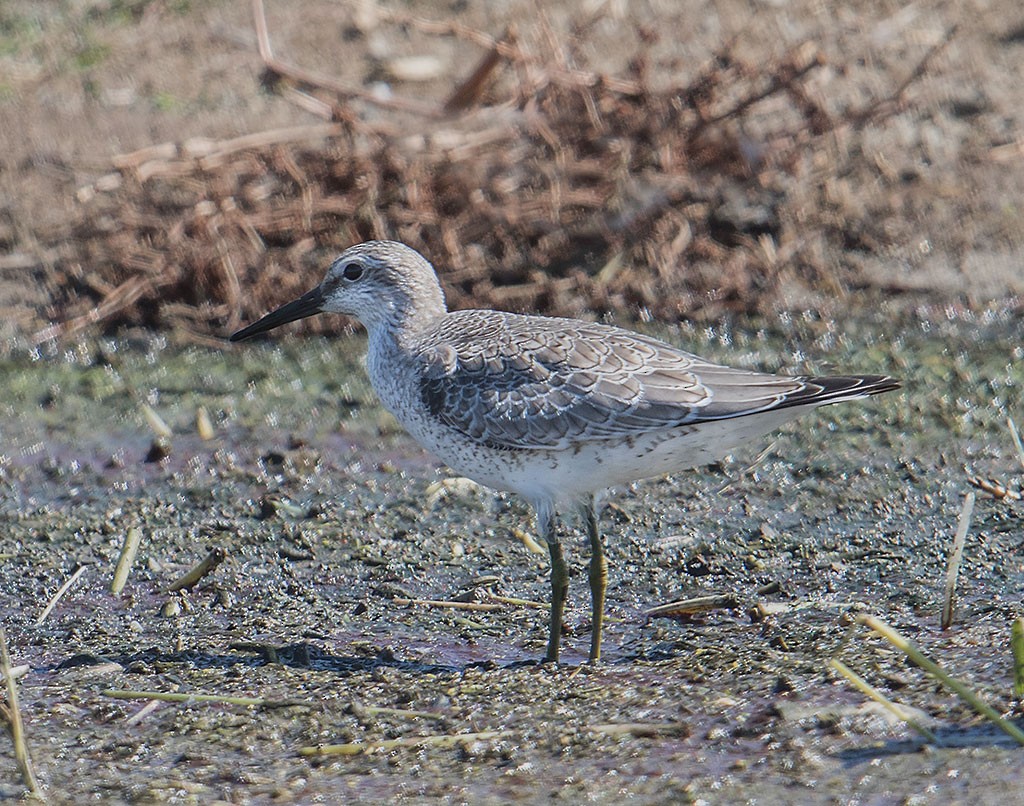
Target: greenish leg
x: 559, y: 585
x: 598, y: 582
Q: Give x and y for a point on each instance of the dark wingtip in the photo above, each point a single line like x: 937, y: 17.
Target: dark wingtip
x: 821, y: 390
x: 839, y: 387
x: 877, y: 384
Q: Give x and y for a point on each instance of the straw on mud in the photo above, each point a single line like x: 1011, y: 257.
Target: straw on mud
x: 940, y: 674
x: 143, y: 712
x: 995, y: 488
x: 1017, y: 650
x: 444, y: 740
x: 689, y: 607
x: 255, y: 702
x: 379, y: 710
x: 448, y: 604
x: 132, y: 539
x: 16, y: 671
x: 1015, y: 435
x: 438, y: 490
x: 156, y: 422
x: 12, y: 713
x: 206, y: 566
x: 469, y: 624
x: 762, y: 610
x: 956, y: 556
x: 527, y: 540
x: 204, y: 426
x: 511, y: 600
x: 868, y: 689
x: 174, y: 696
x: 170, y: 696
x: 71, y: 580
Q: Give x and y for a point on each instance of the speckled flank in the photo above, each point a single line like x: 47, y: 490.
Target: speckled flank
x: 552, y: 409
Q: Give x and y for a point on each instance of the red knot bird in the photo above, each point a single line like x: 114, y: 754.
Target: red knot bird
x: 556, y: 410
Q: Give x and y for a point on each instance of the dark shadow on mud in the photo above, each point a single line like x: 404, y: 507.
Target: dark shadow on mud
x: 951, y: 738
x: 299, y: 656
x: 304, y: 655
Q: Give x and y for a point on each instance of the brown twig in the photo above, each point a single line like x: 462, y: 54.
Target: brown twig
x: 996, y: 489
x: 279, y: 69
x: 511, y: 51
x: 205, y: 566
x: 120, y: 298
x: 468, y: 92
x: 518, y: 204
x: 795, y: 67
x: 890, y: 105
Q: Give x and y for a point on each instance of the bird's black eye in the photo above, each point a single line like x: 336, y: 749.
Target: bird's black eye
x: 353, y: 271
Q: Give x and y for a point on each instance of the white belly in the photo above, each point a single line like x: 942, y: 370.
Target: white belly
x: 570, y: 474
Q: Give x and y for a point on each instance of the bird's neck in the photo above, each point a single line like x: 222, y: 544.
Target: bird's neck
x: 400, y: 323
x: 399, y: 330
x: 391, y: 363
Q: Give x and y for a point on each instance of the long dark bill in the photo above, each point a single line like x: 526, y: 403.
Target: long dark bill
x: 306, y: 305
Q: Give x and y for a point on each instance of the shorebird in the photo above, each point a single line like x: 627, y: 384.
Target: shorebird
x: 555, y: 410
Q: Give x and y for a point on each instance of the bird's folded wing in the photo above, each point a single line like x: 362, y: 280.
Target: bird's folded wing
x: 518, y: 382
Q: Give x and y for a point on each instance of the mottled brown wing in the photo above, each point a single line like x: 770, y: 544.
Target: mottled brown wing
x: 530, y: 382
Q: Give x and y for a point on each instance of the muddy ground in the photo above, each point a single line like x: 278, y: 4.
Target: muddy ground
x: 328, y: 515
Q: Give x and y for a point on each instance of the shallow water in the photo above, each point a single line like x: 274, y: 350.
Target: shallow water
x: 322, y: 505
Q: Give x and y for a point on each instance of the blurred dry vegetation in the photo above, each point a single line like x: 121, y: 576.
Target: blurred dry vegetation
x: 569, y: 161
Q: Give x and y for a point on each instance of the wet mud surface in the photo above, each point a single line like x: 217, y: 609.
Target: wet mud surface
x: 328, y: 514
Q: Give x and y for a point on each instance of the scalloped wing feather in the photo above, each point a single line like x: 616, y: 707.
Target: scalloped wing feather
x: 531, y: 382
